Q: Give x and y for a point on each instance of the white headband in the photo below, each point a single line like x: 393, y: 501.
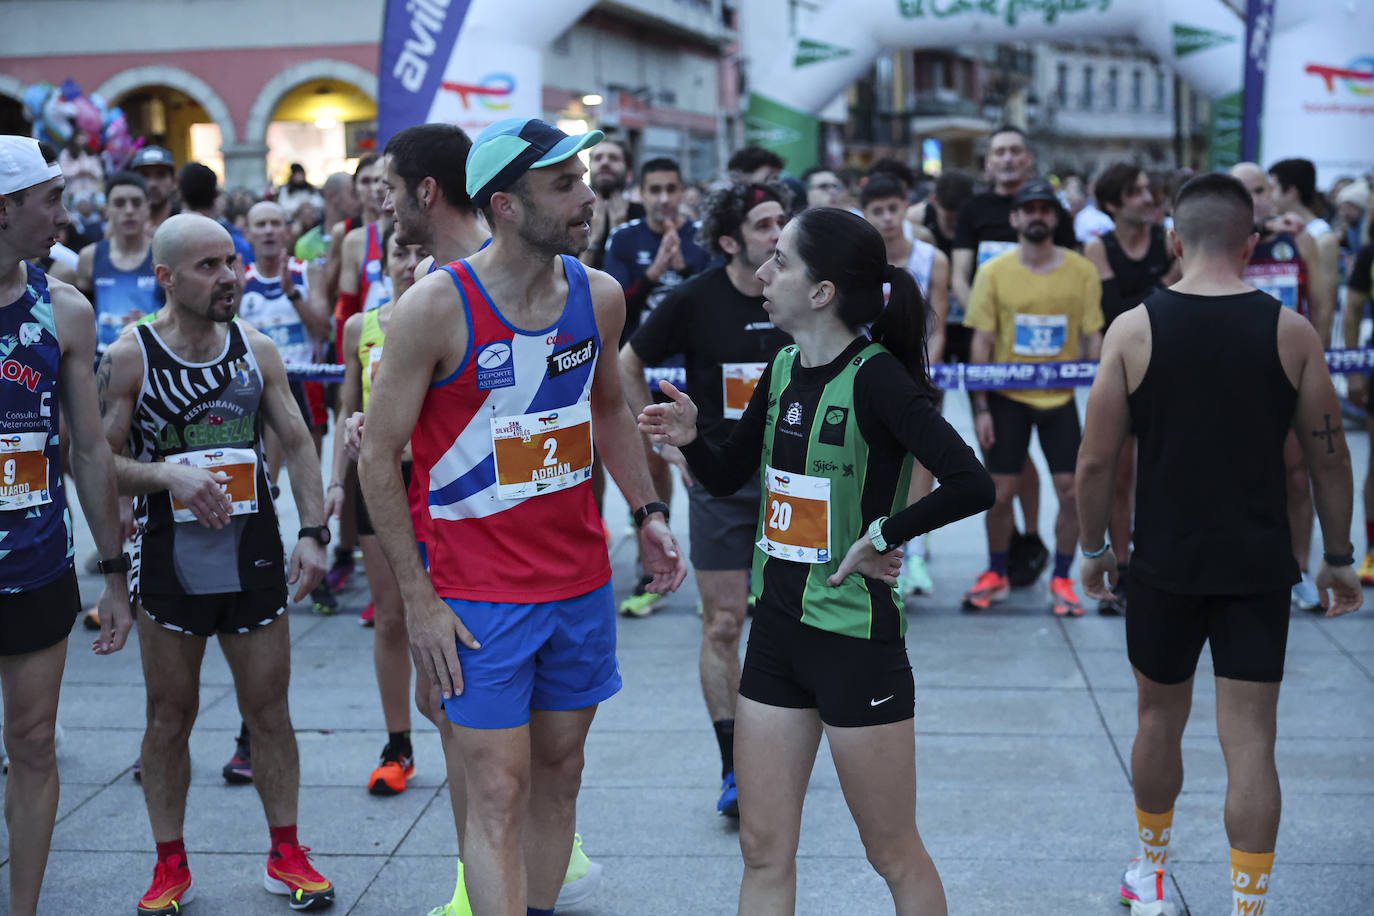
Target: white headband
x: 22, y: 164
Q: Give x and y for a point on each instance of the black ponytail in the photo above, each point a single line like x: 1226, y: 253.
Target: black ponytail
x: 845, y: 249
x: 902, y: 327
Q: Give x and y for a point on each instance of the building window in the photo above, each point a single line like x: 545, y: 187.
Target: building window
x: 1113, y: 88
x: 1137, y: 90
x: 1061, y: 86
x: 1087, y: 98
x: 938, y: 73
x: 1159, y: 91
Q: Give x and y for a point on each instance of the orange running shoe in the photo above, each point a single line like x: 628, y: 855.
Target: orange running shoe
x: 391, y: 774
x: 290, y: 874
x: 1064, y: 600
x: 990, y: 587
x: 171, y: 888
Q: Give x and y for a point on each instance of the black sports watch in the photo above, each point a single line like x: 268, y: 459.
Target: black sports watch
x: 643, y: 512
x: 319, y: 533
x: 295, y: 295
x: 120, y: 564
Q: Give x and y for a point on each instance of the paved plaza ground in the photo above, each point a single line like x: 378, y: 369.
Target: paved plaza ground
x: 1024, y: 726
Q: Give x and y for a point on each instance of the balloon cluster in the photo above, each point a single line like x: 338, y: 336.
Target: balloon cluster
x: 59, y: 113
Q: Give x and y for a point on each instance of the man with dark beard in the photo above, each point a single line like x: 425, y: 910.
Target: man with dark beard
x: 188, y: 397
x: 610, y: 175
x: 517, y: 554
x: 1036, y: 303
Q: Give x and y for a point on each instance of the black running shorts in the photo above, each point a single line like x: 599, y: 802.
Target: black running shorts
x: 851, y: 682
x: 723, y: 528
x: 958, y: 344
x: 39, y: 618
x: 1165, y: 632
x: 1012, y: 421
x: 206, y: 615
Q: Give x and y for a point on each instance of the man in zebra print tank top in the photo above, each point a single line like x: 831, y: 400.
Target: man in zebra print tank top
x: 188, y: 396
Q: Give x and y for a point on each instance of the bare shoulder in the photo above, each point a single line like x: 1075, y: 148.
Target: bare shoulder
x: 264, y: 350
x: 425, y: 267
x: 604, y: 288
x: 1096, y: 252
x: 1131, y: 326
x: 124, y: 361
x: 352, y: 331
x: 67, y: 299
x: 1296, y: 331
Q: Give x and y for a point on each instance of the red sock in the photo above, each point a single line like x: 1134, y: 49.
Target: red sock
x: 171, y: 848
x: 1369, y: 534
x: 281, y: 835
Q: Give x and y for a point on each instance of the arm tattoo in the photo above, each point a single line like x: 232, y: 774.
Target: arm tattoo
x: 1328, y: 433
x: 102, y: 378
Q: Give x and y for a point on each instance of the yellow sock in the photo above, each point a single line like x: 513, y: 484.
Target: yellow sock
x: 1250, y: 881
x: 1154, y: 837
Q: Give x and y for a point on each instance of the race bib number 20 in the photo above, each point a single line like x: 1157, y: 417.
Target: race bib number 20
x: 796, y: 520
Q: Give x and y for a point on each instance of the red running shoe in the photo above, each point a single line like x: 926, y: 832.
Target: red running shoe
x: 290, y: 874
x: 368, y: 617
x: 170, y: 890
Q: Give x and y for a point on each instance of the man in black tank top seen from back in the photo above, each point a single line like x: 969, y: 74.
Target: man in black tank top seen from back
x: 1213, y: 559
x: 188, y: 396
x: 1132, y: 261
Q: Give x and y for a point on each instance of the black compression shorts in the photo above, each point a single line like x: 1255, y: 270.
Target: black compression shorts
x: 851, y: 682
x: 206, y: 615
x: 1012, y: 421
x: 1165, y: 632
x: 39, y: 618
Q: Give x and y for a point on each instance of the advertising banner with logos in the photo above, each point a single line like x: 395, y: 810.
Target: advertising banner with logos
x: 1319, y: 93
x: 465, y: 62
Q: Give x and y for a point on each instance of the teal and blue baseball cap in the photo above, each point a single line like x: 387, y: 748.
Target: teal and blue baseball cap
x: 507, y: 149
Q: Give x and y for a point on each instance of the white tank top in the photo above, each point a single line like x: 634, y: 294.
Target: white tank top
x: 920, y: 264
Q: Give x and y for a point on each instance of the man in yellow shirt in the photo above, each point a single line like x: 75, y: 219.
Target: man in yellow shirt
x: 1037, y: 303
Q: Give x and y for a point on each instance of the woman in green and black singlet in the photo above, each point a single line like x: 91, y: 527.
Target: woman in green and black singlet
x: 363, y: 338
x: 832, y: 427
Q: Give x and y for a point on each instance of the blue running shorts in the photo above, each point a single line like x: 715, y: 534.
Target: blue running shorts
x: 558, y: 655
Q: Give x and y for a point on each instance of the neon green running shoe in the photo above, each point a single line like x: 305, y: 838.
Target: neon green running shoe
x: 915, y: 578
x: 582, y: 878
x: 640, y: 603
x: 458, y: 906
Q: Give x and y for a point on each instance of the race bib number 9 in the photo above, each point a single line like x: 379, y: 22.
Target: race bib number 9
x: 539, y: 453
x: 1040, y: 335
x: 739, y: 379
x: 796, y: 517
x: 241, y: 464
x: 23, y: 471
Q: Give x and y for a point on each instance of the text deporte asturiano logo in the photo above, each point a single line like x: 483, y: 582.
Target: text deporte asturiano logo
x: 1010, y: 10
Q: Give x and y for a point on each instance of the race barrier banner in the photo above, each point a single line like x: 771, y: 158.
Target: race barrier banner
x: 947, y: 377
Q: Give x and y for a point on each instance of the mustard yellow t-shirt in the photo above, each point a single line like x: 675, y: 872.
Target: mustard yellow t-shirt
x: 1038, y: 318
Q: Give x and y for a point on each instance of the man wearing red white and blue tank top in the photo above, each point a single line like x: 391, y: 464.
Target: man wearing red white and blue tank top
x: 47, y: 346
x: 506, y: 375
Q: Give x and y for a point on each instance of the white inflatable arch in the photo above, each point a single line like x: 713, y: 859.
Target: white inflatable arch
x: 792, y: 79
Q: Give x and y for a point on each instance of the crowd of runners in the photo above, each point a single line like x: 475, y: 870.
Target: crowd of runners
x: 506, y: 299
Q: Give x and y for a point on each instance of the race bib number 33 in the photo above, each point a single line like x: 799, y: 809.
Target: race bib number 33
x: 241, y: 464
x: 23, y: 471
x: 538, y: 453
x: 796, y: 519
x: 1040, y: 335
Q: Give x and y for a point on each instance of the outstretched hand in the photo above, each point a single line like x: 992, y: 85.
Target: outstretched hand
x: 674, y: 423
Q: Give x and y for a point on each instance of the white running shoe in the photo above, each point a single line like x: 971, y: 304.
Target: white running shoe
x: 1147, y: 891
x: 582, y: 877
x: 1304, y: 595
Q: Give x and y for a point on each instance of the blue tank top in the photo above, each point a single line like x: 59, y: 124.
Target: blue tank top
x: 35, y: 526
x: 117, y: 292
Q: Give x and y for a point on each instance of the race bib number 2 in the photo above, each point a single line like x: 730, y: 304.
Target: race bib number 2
x: 538, y: 453
x: 796, y: 519
x: 241, y: 464
x: 23, y: 471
